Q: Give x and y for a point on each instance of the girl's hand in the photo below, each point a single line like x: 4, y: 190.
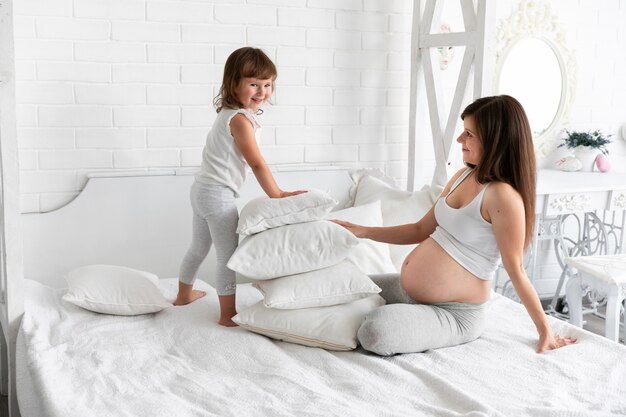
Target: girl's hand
x: 357, y: 230
x: 284, y: 194
x: 548, y: 341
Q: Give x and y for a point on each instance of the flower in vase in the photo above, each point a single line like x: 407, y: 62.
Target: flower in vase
x: 591, y: 140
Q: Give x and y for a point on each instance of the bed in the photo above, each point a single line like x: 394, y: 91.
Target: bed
x: 73, y: 362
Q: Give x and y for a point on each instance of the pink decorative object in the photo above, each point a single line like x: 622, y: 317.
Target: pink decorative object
x: 602, y: 163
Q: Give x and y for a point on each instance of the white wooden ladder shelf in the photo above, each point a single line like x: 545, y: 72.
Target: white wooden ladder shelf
x: 478, y: 18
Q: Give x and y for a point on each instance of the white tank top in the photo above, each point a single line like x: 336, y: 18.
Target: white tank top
x: 222, y: 162
x: 466, y: 236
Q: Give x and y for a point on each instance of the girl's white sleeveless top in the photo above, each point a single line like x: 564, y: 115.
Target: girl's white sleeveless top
x: 222, y: 162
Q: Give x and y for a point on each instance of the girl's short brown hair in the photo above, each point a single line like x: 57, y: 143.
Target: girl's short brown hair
x: 242, y: 63
x: 509, y: 154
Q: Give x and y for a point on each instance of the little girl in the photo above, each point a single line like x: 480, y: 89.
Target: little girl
x: 231, y: 146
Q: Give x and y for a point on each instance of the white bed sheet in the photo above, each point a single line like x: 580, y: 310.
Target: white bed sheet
x: 179, y: 362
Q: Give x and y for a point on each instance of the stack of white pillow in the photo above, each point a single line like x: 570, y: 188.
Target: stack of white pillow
x: 311, y: 272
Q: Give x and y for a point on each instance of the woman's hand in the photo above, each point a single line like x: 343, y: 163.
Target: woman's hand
x: 357, y: 230
x: 284, y: 194
x: 548, y: 341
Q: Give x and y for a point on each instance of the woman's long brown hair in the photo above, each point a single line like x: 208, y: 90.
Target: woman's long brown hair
x: 509, y: 155
x: 241, y: 63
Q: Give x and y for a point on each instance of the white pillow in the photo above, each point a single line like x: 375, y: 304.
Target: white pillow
x: 111, y: 289
x: 370, y: 256
x: 337, y: 284
x: 398, y: 207
x: 292, y: 249
x: 264, y: 213
x: 332, y: 328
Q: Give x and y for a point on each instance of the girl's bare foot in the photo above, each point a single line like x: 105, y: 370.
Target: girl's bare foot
x: 227, y: 310
x: 183, y: 299
x: 227, y: 322
x: 186, y: 294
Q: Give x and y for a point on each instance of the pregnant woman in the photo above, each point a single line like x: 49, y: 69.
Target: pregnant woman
x: 485, y: 214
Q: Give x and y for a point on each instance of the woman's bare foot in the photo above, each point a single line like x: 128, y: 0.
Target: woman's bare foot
x: 186, y: 294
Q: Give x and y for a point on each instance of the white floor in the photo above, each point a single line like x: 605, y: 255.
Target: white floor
x: 596, y: 325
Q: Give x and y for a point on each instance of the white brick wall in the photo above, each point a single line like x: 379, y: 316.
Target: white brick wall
x: 245, y: 14
x: 331, y: 153
x: 147, y: 116
x: 113, y: 94
x: 303, y: 135
x: 141, y: 158
x: 73, y: 72
x: 176, y: 137
x: 109, y: 52
x: 44, y: 93
x: 145, y: 32
x: 129, y: 84
x: 74, y: 159
x: 194, y: 116
x: 110, y: 9
x: 74, y: 116
x: 144, y: 73
x: 43, y: 8
x: 171, y: 11
x: 118, y: 138
x: 214, y: 32
x: 67, y: 28
x: 44, y: 138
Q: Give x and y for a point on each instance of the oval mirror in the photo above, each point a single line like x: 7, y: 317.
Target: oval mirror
x: 534, y: 65
x: 531, y: 73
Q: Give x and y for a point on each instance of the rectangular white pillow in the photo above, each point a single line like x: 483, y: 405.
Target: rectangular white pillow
x: 112, y: 289
x: 264, y: 213
x: 337, y: 284
x: 370, y: 256
x: 398, y: 207
x: 292, y: 249
x: 332, y: 328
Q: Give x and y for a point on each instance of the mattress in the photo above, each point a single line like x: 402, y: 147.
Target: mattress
x: 179, y: 362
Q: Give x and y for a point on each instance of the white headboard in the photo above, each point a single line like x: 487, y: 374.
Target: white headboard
x: 139, y: 220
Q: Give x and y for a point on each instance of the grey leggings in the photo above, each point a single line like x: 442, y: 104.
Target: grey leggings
x: 215, y: 220
x: 404, y: 326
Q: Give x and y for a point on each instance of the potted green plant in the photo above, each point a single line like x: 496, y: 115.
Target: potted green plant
x: 586, y: 146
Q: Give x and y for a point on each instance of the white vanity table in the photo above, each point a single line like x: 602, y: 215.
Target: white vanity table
x: 560, y: 192
x: 595, y: 201
x: 593, y: 204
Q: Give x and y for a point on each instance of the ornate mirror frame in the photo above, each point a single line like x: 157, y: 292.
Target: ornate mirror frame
x: 534, y: 19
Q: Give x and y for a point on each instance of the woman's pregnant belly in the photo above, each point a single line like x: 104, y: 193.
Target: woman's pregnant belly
x: 429, y: 275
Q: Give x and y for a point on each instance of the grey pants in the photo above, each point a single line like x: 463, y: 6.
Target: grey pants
x: 404, y: 326
x: 215, y: 220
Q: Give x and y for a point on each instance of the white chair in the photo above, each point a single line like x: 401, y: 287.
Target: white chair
x: 605, y: 274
